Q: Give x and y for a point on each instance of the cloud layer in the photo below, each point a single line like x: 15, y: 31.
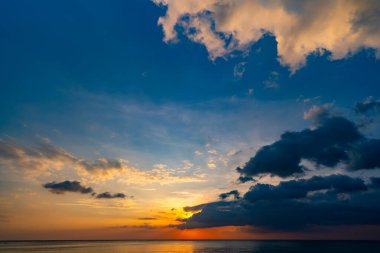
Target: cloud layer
x: 301, y: 27
x: 310, y: 202
x: 294, y: 205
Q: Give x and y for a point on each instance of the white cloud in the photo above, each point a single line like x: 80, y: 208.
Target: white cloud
x: 301, y: 27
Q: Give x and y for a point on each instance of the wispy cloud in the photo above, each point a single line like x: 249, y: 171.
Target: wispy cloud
x: 45, y: 158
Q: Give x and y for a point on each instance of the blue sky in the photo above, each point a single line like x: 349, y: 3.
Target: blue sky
x: 97, y: 79
x: 57, y: 54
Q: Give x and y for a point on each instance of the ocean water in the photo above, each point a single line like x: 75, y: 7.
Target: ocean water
x: 190, y: 246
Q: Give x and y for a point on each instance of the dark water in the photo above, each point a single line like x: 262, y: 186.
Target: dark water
x: 190, y: 246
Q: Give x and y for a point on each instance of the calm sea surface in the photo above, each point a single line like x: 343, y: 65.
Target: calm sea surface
x: 190, y: 246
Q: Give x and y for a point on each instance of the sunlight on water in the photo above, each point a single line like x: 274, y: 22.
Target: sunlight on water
x: 188, y: 246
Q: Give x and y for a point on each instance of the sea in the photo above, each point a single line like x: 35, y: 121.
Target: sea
x: 190, y: 246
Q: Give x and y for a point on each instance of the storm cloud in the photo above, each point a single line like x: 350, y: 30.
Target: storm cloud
x: 334, y: 140
x: 67, y: 186
x: 294, y: 205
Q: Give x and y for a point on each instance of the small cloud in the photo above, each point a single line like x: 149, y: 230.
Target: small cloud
x: 233, y: 193
x: 367, y: 106
x: 147, y: 218
x: 211, y: 164
x: 187, y: 164
x: 272, y: 81
x: 212, y: 152
x: 318, y: 113
x: 144, y: 226
x: 239, y: 70
x: 67, y: 186
x: 107, y: 195
x: 198, y: 153
x: 308, y: 100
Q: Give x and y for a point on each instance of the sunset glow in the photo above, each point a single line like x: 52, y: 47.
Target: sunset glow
x: 189, y: 120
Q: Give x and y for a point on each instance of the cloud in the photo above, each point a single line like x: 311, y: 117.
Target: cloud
x: 239, y: 70
x: 365, y: 155
x: 273, y: 80
x: 194, y: 208
x: 67, y: 186
x: 106, y: 169
x: 39, y: 158
x: 297, y: 189
x: 318, y: 113
x: 107, y: 195
x: 296, y: 204
x: 42, y: 158
x: 342, y: 27
x: 333, y: 140
x: 326, y: 145
x: 103, y: 168
x: 77, y: 187
x: 366, y: 106
x: 147, y: 218
x: 233, y: 193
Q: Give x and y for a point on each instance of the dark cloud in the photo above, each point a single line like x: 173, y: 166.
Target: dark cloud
x: 296, y: 189
x: 107, y: 195
x: 333, y: 140
x: 303, y: 203
x: 296, y: 204
x: 75, y: 186
x: 366, y: 106
x: 233, y: 193
x: 365, y: 155
x: 67, y: 186
x: 326, y: 145
x: 194, y: 208
x: 148, y: 218
x: 375, y: 182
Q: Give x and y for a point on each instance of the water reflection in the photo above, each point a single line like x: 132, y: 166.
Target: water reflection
x: 189, y: 246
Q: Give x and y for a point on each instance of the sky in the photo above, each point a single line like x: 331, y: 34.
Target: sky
x: 186, y: 119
